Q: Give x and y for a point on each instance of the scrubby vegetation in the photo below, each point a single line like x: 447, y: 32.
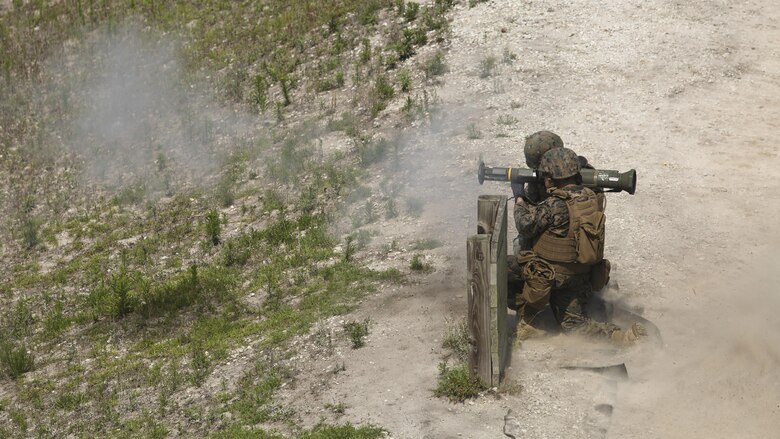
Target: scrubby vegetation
x: 154, y: 236
x: 454, y: 381
x: 456, y: 384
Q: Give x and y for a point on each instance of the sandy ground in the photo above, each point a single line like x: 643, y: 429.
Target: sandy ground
x: 685, y: 92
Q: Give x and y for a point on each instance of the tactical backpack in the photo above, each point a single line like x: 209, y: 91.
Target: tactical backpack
x: 584, y: 243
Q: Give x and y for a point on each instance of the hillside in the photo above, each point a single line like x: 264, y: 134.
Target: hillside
x: 185, y: 185
x: 247, y: 219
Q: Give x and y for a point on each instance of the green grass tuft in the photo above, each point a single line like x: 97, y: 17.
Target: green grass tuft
x: 418, y: 264
x: 458, y: 340
x: 213, y: 227
x: 356, y: 332
x: 346, y: 431
x: 456, y: 384
x: 15, y: 359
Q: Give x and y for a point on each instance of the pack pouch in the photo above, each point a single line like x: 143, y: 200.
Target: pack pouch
x: 539, y: 277
x: 589, y: 238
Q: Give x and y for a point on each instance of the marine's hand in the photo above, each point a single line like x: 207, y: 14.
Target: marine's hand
x: 518, y: 190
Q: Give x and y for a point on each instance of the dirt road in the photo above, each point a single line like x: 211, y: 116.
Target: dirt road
x: 688, y: 93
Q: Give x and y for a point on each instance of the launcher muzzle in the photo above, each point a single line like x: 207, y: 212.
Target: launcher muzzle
x: 593, y: 178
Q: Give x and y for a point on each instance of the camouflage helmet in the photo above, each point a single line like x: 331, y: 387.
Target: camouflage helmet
x: 560, y: 163
x: 539, y: 143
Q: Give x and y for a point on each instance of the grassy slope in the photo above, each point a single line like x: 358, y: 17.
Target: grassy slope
x: 116, y: 302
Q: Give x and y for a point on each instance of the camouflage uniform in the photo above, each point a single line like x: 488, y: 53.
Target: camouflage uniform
x: 535, y: 146
x: 571, y: 291
x: 546, y: 225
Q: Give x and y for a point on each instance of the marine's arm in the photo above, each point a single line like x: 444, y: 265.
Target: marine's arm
x: 531, y: 221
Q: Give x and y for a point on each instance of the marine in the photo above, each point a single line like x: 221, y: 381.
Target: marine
x: 565, y: 262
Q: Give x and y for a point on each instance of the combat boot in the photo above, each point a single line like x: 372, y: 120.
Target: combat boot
x: 525, y: 331
x: 630, y: 336
x: 525, y: 328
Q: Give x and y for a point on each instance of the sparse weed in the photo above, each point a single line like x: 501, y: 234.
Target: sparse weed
x: 405, y: 81
x: 435, y: 65
x: 400, y: 7
x: 508, y: 56
x: 375, y: 151
x: 254, y: 399
x: 358, y: 194
x: 18, y: 417
x: 213, y: 227
x: 389, y: 248
x: 498, y: 86
x: 20, y: 322
x: 455, y: 383
x: 506, y: 119
x: 367, y: 15
x: 411, y: 10
x: 30, y: 231
x: 70, y: 401
x: 55, y: 322
x: 369, y: 213
x: 363, y: 238
x: 200, y: 363
x: 236, y: 253
x: 418, y: 264
x: 15, y: 358
x: 349, y: 248
x: 457, y: 339
x: 348, y: 123
x: 414, y: 206
x: 405, y: 44
x: 391, y: 210
x: 384, y: 90
x: 338, y: 408
x: 225, y: 194
x: 134, y: 193
x: 273, y: 200
x: 426, y: 244
x: 356, y: 332
x: 487, y: 67
x: 365, y: 51
x: 324, y: 431
x: 434, y: 18
x: 261, y: 93
x: 293, y: 159
x: 473, y: 132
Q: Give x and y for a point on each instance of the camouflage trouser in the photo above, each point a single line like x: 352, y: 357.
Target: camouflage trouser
x: 568, y: 300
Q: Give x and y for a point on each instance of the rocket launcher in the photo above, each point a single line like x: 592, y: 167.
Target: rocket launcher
x: 614, y: 181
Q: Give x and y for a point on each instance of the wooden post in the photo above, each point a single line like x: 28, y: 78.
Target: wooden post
x: 487, y: 290
x: 479, y: 307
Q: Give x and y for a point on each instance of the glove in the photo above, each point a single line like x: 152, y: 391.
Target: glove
x: 518, y: 190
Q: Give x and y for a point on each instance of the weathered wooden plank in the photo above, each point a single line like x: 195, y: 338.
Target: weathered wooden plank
x: 478, y: 257
x: 491, y: 221
x: 487, y: 209
x: 498, y: 293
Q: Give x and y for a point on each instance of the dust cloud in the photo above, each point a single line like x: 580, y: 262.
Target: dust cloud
x: 717, y: 374
x: 138, y: 116
x: 438, y: 168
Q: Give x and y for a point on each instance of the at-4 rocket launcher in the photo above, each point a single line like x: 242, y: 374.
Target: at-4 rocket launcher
x: 611, y: 181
